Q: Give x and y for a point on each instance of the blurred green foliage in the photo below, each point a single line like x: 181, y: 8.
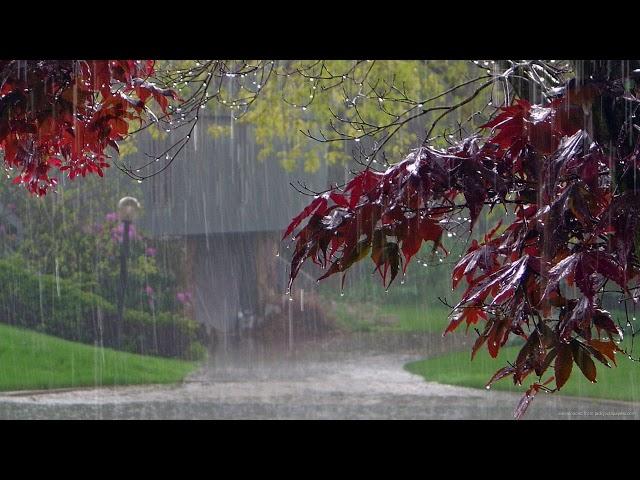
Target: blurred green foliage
x: 64, y: 251
x: 299, y: 102
x: 58, y: 306
x: 75, y: 234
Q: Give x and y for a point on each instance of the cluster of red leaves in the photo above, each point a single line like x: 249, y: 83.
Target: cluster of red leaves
x: 539, y: 277
x: 64, y: 114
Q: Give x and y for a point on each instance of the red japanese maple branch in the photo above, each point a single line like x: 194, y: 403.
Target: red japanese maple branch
x: 576, y: 225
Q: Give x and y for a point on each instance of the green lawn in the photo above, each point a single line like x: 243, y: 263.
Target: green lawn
x: 392, y: 317
x: 617, y: 383
x: 31, y: 360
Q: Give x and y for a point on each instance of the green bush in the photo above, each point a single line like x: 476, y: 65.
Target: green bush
x: 60, y: 307
x: 161, y: 334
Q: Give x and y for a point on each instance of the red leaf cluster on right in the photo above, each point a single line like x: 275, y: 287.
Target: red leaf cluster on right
x: 541, y: 276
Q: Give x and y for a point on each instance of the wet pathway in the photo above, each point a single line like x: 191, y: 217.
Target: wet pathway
x: 341, y: 378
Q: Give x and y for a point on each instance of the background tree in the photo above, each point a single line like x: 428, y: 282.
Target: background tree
x: 351, y: 106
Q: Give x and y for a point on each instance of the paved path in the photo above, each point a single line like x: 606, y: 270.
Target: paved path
x: 311, y: 383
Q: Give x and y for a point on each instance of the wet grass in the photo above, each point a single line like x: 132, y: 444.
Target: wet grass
x: 417, y: 318
x: 616, y: 383
x: 391, y: 318
x: 31, y: 360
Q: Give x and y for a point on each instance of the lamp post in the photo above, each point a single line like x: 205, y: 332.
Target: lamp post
x: 128, y: 208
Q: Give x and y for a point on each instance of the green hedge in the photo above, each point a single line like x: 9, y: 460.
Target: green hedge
x: 60, y: 307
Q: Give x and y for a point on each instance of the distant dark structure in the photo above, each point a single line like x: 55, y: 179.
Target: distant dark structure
x: 231, y: 209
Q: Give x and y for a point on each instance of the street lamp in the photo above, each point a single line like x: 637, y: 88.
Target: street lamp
x: 128, y: 208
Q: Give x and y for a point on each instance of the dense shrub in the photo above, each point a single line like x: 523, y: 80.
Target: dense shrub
x: 60, y: 307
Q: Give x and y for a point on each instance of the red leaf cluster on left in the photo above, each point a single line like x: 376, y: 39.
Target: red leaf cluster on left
x: 64, y: 114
